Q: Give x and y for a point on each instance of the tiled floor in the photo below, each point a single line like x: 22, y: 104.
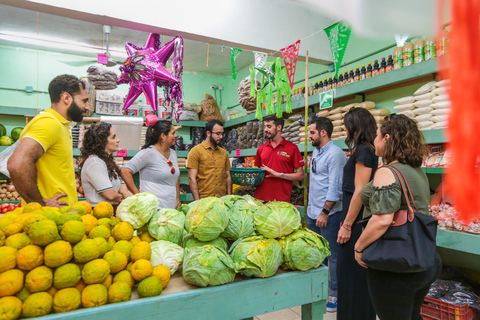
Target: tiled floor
x: 294, y: 313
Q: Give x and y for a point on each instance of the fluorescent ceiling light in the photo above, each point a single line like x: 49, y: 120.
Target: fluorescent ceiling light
x: 57, y: 43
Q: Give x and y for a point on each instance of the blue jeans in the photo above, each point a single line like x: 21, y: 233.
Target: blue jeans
x: 330, y: 233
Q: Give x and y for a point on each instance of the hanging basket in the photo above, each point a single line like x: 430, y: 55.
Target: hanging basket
x: 247, y: 176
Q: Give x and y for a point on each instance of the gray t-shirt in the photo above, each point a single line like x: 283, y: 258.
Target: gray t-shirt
x: 156, y: 175
x: 95, y: 180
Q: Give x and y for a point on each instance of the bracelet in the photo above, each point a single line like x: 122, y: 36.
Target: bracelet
x: 343, y: 225
x: 282, y: 176
x: 346, y: 224
x: 325, y: 210
x: 357, y: 251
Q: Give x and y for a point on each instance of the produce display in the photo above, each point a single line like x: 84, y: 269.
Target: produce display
x: 59, y: 260
x: 8, y: 193
x: 8, y: 140
x: 447, y: 217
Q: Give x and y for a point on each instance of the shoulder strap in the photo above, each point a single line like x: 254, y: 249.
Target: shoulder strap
x: 397, y: 172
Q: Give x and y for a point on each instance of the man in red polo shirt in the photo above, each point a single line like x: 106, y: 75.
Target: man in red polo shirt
x: 282, y: 161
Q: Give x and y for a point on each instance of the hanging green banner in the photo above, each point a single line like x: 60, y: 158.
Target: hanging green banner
x: 326, y: 99
x: 234, y: 52
x: 338, y: 35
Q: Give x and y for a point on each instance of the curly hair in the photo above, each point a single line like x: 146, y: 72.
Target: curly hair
x: 361, y: 127
x: 406, y: 142
x: 94, y: 142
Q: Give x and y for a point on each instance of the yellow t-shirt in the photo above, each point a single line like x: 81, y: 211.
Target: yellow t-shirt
x: 55, y: 170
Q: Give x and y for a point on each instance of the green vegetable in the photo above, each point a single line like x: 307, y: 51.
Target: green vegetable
x: 276, y: 219
x: 230, y: 199
x: 183, y: 209
x: 257, y: 256
x: 207, y: 218
x: 303, y: 250
x: 138, y: 209
x: 3, y: 130
x: 167, y: 224
x: 241, y: 223
x: 167, y: 254
x: 6, y: 141
x: 16, y: 132
x: 207, y: 266
x: 189, y: 241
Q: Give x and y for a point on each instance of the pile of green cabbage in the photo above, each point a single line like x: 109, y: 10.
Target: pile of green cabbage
x: 167, y: 224
x: 240, y: 225
x: 189, y: 241
x: 303, y: 250
x: 206, y: 218
x: 257, y: 256
x: 138, y: 209
x: 167, y: 254
x: 207, y: 266
x: 276, y: 219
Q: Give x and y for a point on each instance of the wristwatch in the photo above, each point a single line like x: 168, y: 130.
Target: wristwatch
x: 282, y: 176
x: 326, y: 211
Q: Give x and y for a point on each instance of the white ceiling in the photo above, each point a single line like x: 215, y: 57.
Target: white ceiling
x: 22, y: 21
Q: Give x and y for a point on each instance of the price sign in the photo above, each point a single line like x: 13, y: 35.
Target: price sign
x: 102, y: 58
x: 237, y: 153
x: 122, y: 153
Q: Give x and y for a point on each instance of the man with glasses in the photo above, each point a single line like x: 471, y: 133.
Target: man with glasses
x: 282, y: 161
x: 41, y: 167
x: 325, y: 193
x: 208, y: 165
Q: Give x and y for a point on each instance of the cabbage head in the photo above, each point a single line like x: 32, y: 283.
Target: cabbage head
x: 138, y: 209
x: 257, y: 256
x: 207, y: 266
x: 189, y: 241
x: 206, y: 218
x: 276, y: 219
x: 183, y: 209
x: 229, y: 199
x: 303, y: 250
x: 167, y: 254
x: 167, y: 224
x: 240, y: 224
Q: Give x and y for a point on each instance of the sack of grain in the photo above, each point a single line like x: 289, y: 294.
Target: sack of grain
x: 422, y: 103
x: 426, y: 88
x: 426, y: 96
x: 405, y: 100
x: 404, y: 107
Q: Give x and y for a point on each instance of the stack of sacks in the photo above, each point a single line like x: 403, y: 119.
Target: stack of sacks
x: 252, y: 135
x: 182, y: 162
x: 336, y: 116
x: 102, y: 78
x: 428, y: 106
x: 291, y: 130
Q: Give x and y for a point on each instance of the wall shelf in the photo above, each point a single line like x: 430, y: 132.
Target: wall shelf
x: 459, y: 241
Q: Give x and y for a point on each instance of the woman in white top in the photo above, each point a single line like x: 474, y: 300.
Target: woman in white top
x: 100, y: 175
x: 158, y: 166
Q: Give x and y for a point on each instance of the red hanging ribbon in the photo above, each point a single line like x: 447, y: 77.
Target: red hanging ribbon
x: 290, y: 57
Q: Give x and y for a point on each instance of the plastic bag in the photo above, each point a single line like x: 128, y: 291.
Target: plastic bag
x: 5, y: 155
x: 188, y: 116
x: 210, y: 110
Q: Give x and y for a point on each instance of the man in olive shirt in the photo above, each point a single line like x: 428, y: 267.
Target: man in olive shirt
x: 208, y: 165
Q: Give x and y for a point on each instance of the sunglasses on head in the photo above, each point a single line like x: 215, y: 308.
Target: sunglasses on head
x: 76, y: 83
x: 314, y: 166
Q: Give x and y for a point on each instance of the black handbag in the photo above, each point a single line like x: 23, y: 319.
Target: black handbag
x: 409, y: 244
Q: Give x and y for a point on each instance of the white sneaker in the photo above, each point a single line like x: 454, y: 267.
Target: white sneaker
x: 332, y: 304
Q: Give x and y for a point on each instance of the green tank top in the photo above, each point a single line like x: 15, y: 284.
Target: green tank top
x: 389, y: 199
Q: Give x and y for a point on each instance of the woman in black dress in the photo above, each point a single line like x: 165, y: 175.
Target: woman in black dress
x: 353, y: 298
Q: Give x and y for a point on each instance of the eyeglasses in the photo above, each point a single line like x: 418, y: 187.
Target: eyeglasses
x: 170, y: 163
x: 218, y: 133
x: 75, y: 83
x: 314, y: 166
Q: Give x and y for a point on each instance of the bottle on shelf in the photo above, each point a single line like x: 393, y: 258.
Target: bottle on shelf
x: 310, y: 89
x: 356, y: 77
x: 334, y: 83
x: 351, y: 76
x: 397, y: 58
x: 363, y: 72
x: 376, y: 68
x: 325, y: 84
x: 340, y: 80
x: 389, y: 66
x: 408, y: 54
x: 368, y: 74
x: 345, y: 78
x: 315, y: 88
x: 429, y: 48
x: 383, y: 65
x: 418, y: 55
x: 320, y: 87
x: 442, y: 43
x: 329, y: 83
x: 303, y: 92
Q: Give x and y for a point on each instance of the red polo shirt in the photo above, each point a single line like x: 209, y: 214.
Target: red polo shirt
x: 284, y: 158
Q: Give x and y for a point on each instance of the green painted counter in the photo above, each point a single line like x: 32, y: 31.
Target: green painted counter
x: 242, y: 299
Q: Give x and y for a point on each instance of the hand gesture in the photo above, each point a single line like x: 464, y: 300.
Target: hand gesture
x: 53, y: 201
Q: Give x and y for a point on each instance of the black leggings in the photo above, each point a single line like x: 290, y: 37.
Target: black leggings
x: 399, y: 296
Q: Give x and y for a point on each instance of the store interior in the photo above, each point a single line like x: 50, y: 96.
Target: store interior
x: 39, y: 40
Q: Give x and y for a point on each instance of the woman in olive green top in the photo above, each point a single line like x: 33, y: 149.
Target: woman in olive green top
x: 400, y: 144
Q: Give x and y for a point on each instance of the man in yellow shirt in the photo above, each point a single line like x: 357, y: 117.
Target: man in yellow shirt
x: 208, y: 165
x: 41, y: 167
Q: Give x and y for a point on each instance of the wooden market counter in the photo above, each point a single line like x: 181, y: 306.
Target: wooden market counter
x: 243, y: 299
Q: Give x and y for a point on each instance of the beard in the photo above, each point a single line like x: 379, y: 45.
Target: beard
x: 74, y: 112
x: 269, y: 135
x: 315, y: 143
x: 213, y: 141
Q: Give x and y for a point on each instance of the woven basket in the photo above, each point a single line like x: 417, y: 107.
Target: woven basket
x: 247, y: 176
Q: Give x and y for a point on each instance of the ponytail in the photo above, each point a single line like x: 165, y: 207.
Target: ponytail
x: 155, y: 131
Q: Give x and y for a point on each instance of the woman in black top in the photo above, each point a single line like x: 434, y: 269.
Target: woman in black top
x: 353, y: 297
